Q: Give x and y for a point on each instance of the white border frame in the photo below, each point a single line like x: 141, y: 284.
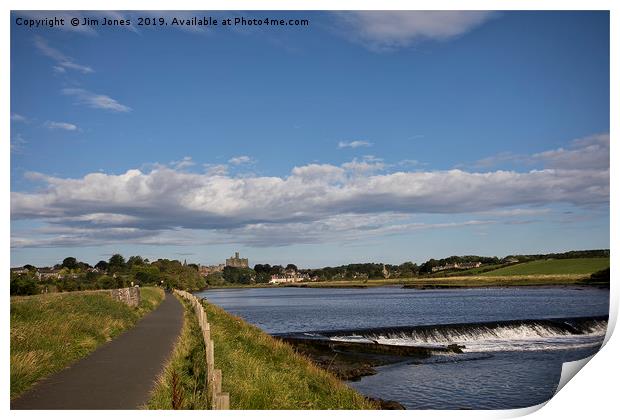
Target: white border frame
x: 592, y: 394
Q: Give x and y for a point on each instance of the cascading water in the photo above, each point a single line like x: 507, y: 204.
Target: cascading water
x: 528, y: 335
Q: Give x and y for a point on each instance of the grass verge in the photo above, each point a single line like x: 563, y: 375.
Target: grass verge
x: 182, y: 385
x: 49, y: 332
x: 261, y: 372
x: 258, y: 371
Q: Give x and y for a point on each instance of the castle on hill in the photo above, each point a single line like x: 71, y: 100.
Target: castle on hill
x: 237, y: 262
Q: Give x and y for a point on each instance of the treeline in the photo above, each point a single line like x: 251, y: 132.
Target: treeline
x: 592, y: 253
x: 73, y: 275
x: 427, y: 267
x: 117, y: 272
x: 364, y: 271
x: 260, y: 274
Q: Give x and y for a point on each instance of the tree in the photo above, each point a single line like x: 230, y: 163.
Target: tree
x: 176, y: 275
x: 408, y: 269
x: 215, y: 279
x: 239, y: 275
x: 102, y: 266
x: 276, y: 269
x: 291, y: 267
x: 70, y: 262
x: 24, y: 284
x: 135, y: 260
x: 116, y: 263
x: 145, y: 274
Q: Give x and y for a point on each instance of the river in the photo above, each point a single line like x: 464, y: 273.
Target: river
x: 512, y: 365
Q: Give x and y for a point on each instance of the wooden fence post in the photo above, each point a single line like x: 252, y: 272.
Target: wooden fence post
x: 216, y: 388
x: 210, y: 358
x: 206, y: 333
x: 219, y: 400
x: 223, y: 401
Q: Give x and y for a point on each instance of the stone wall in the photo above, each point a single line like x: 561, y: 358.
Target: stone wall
x: 128, y: 295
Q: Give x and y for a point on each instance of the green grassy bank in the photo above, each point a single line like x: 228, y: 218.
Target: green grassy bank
x: 258, y: 371
x: 551, y: 267
x: 49, y: 332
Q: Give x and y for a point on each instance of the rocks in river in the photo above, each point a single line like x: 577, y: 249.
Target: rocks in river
x: 346, y: 370
x: 387, y: 404
x: 455, y: 348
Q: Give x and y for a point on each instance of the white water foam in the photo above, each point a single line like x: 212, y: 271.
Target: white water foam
x: 518, y: 337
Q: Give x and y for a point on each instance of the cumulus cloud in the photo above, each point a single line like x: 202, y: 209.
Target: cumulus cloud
x: 353, y: 144
x: 389, y: 30
x: 240, y: 160
x: 55, y: 125
x: 94, y: 100
x: 63, y: 62
x: 166, y: 204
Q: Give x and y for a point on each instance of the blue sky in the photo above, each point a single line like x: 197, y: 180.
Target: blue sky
x: 362, y: 137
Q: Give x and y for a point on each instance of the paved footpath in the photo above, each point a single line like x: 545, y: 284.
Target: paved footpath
x: 119, y: 374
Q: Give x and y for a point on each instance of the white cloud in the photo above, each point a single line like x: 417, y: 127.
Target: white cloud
x: 349, y: 201
x: 341, y: 228
x: 409, y: 162
x: 365, y: 164
x: 18, y: 118
x: 240, y: 160
x: 214, y: 169
x: 590, y: 152
x: 353, y: 144
x: 94, y: 100
x: 314, y: 203
x: 63, y: 62
x: 54, y: 125
x: 186, y: 162
x: 17, y: 143
x: 388, y: 30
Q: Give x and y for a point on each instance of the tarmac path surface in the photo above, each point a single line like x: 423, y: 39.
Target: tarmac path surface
x: 119, y: 374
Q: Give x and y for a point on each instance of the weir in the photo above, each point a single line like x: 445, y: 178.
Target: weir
x: 498, y: 335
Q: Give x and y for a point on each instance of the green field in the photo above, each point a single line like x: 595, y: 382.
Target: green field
x: 50, y: 331
x: 560, y: 266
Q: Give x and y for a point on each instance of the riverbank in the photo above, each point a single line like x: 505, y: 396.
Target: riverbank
x: 51, y: 331
x: 439, y: 282
x: 261, y: 372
